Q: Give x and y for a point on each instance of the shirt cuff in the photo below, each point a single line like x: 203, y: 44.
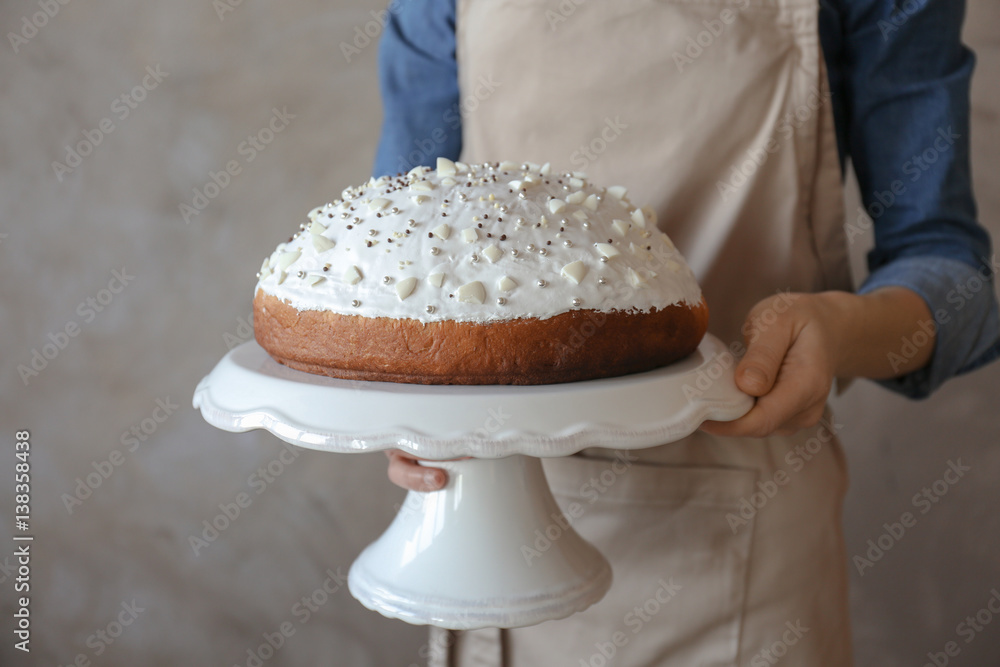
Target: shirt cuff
x: 966, y: 317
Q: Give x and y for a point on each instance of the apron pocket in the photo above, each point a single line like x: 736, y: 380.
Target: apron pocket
x: 679, y: 548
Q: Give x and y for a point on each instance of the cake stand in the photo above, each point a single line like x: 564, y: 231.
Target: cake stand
x: 461, y: 557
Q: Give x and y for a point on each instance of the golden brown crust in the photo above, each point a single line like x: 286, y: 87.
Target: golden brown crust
x: 573, y: 346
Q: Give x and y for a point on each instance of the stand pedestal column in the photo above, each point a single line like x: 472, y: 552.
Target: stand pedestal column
x: 491, y: 549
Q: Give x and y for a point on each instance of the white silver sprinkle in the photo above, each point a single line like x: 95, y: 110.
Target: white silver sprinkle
x: 568, y: 243
x: 586, y: 224
x: 429, y: 309
x: 531, y: 247
x: 372, y: 232
x: 604, y: 259
x: 519, y: 222
x: 542, y: 283
x: 435, y: 250
x: 501, y: 301
x: 514, y: 252
x: 355, y: 303
x: 301, y: 274
x: 474, y: 258
x: 543, y: 252
x: 577, y: 301
x: 395, y: 209
x: 387, y: 280
x: 503, y: 208
x: 411, y: 223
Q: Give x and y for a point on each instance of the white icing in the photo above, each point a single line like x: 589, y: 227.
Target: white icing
x: 556, y: 238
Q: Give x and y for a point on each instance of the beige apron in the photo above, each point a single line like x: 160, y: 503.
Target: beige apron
x: 716, y: 113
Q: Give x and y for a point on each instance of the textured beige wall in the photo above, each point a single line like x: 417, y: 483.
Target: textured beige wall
x: 63, y: 239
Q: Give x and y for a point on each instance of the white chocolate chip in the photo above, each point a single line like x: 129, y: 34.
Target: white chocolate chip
x: 493, y: 253
x: 317, y: 228
x: 419, y: 199
x: 470, y: 235
x: 546, y: 169
x: 322, y: 244
x: 576, y: 182
x: 448, y: 180
x: 442, y: 231
x: 404, y: 287
x: 314, y: 280
x: 352, y: 276
x: 473, y: 292
x: 281, y: 277
x: 635, y: 279
x: 576, y: 197
x: 607, y: 250
x: 579, y: 174
x: 421, y: 186
x: 378, y: 203
x: 462, y: 167
x: 620, y: 226
x: 556, y: 205
x: 575, y: 271
x: 639, y: 218
x: 591, y: 202
x: 506, y: 284
x: 446, y: 167
x: 666, y: 239
x: 507, y: 165
x: 286, y: 259
x: 618, y: 191
x: 580, y: 215
x: 436, y: 279
x: 313, y: 214
x: 640, y: 252
x: 515, y: 185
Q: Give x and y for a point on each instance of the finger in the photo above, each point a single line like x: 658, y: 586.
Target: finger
x: 405, y: 472
x: 770, y: 413
x: 758, y: 370
x: 808, y: 418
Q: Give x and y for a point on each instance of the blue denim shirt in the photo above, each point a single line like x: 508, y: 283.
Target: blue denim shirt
x: 899, y: 78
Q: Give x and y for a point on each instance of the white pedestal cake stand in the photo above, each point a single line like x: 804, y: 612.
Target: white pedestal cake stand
x: 456, y: 558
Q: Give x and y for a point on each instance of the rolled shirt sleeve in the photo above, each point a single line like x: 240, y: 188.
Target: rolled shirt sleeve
x: 900, y: 78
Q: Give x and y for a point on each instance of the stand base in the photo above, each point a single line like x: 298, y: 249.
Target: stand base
x: 491, y: 549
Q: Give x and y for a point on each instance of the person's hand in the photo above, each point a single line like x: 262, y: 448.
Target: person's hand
x: 798, y: 343
x: 405, y: 472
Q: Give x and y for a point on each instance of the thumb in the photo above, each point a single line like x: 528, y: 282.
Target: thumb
x: 758, y: 370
